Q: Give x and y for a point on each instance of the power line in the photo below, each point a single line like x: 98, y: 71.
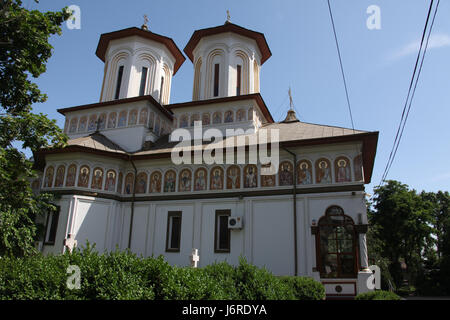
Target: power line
x: 411, y: 90
x: 342, y: 67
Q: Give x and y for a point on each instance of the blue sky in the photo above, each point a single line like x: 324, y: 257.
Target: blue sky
x: 378, y: 66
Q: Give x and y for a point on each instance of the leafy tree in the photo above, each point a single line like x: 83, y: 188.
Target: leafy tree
x: 403, y: 223
x: 25, y: 50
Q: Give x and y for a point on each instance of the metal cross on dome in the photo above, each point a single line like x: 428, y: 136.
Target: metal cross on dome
x: 145, y: 25
x: 228, y: 16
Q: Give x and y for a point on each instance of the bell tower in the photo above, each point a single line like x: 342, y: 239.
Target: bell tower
x: 138, y: 62
x: 227, y: 60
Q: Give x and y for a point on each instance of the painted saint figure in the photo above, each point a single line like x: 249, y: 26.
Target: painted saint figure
x: 110, y: 181
x: 200, y: 179
x: 155, y: 182
x: 169, y: 181
x: 285, y: 174
x: 97, y: 179
x: 71, y: 173
x: 141, y: 186
x: 251, y: 178
x: 185, y: 180
x: 342, y: 169
x: 323, y: 171
x: 217, y: 179
x: 48, y: 180
x: 233, y: 177
x: 129, y: 183
x: 304, y: 172
x: 59, y: 180
x: 83, y: 178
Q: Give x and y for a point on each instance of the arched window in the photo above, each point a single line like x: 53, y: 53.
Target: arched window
x: 336, y: 245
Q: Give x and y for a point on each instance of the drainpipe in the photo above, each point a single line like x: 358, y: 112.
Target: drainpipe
x: 132, y: 201
x: 294, y: 203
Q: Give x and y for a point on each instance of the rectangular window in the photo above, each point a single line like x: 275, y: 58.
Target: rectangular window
x: 216, y: 80
x: 238, y: 80
x: 52, y: 226
x: 119, y: 82
x: 222, y: 233
x: 143, y: 81
x: 173, y: 231
x: 161, y: 90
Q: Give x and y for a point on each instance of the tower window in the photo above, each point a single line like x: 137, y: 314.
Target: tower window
x: 143, y: 81
x: 238, y: 80
x: 216, y: 80
x: 119, y: 82
x: 161, y: 90
x: 173, y: 231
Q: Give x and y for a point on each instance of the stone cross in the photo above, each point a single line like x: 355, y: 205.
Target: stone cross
x: 195, y: 258
x: 70, y: 242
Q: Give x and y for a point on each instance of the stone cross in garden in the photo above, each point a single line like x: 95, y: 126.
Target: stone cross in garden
x: 195, y: 258
x: 70, y: 242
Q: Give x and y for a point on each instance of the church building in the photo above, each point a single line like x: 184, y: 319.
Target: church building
x: 116, y: 183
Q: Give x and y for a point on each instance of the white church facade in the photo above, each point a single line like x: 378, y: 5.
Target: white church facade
x: 117, y: 185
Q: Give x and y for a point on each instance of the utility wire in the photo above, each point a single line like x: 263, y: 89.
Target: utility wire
x: 411, y: 90
x: 342, y: 67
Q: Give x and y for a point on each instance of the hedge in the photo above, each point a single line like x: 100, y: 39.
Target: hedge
x: 378, y: 295
x: 123, y: 275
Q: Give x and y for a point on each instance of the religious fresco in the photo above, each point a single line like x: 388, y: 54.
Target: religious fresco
x: 119, y: 182
x: 82, y: 125
x: 185, y: 178
x: 200, y: 182
x: 206, y: 119
x: 143, y: 116
x: 97, y: 179
x: 250, y: 176
x: 155, y: 182
x: 122, y: 119
x: 170, y: 181
x: 357, y: 165
x: 48, y: 178
x: 216, y: 178
x: 323, y: 171
x: 194, y: 117
x: 342, y: 170
x: 112, y: 120
x: 92, y: 126
x: 110, y: 184
x: 229, y: 116
x: 59, y: 180
x: 250, y: 114
x: 129, y: 183
x: 184, y: 121
x: 102, y: 121
x: 268, y: 180
x: 304, y: 172
x: 151, y: 120
x: 285, y: 174
x: 233, y: 177
x: 83, y: 177
x: 73, y: 125
x: 141, y: 184
x: 217, y: 117
x: 132, y: 119
x: 240, y: 115
x: 71, y: 174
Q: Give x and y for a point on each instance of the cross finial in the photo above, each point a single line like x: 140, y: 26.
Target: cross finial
x: 145, y: 26
x: 290, y: 99
x: 228, y: 16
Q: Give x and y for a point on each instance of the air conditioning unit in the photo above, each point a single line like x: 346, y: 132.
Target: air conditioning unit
x: 234, y: 223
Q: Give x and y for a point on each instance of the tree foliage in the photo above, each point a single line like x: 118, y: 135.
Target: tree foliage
x: 25, y: 50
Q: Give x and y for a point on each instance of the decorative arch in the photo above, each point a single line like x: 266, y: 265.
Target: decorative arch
x: 228, y: 116
x: 323, y: 171
x: 119, y: 59
x: 73, y: 125
x: 60, y: 172
x: 82, y: 124
x: 250, y: 176
x: 184, y: 121
x: 102, y: 121
x: 217, y: 117
x: 255, y: 77
x: 71, y: 175
x: 336, y: 245
x: 155, y: 182
x: 110, y: 183
x: 112, y: 119
x: 129, y: 183
x: 240, y: 115
x: 250, y: 114
x: 304, y: 172
x: 185, y: 180
x: 245, y: 60
x: 194, y: 117
x: 165, y: 95
x: 143, y: 116
x: 233, y: 177
x: 170, y: 179
x: 97, y: 179
x: 147, y: 60
x: 132, y: 117
x: 48, y: 178
x: 216, y: 178
x: 200, y: 179
x: 122, y: 119
x: 342, y: 170
x: 141, y: 183
x: 206, y: 119
x: 197, y: 79
x: 215, y: 56
x: 83, y: 176
x: 92, y: 125
x: 286, y: 173
x: 151, y: 120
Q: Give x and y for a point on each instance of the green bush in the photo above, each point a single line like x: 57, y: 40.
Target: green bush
x: 123, y: 275
x: 305, y: 288
x: 377, y: 295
